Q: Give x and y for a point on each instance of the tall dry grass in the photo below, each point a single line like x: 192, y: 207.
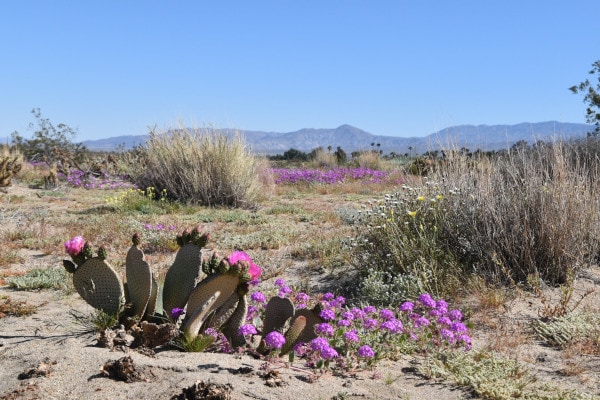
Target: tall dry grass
x: 525, y: 213
x: 323, y: 159
x: 369, y: 159
x: 525, y: 216
x: 203, y: 167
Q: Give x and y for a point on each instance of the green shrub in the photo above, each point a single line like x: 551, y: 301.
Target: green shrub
x: 491, y: 376
x: 51, y: 278
x: 398, y: 250
x: 204, y: 167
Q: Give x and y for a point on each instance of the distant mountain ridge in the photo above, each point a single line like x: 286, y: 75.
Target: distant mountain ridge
x: 350, y: 138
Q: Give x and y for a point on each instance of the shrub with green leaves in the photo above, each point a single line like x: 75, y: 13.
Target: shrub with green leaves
x: 35, y: 279
x: 568, y: 329
x: 492, y: 376
x: 399, y: 251
x: 203, y: 166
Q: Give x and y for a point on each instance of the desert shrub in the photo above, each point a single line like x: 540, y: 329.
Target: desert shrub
x: 51, y: 278
x: 528, y: 212
x: 568, y: 329
x: 529, y: 215
x: 491, y: 376
x: 202, y: 167
x: 369, y: 159
x: 321, y: 158
x: 398, y: 250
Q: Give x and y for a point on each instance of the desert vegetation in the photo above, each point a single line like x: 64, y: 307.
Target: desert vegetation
x: 377, y: 257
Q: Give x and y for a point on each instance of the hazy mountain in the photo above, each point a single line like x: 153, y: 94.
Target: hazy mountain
x: 349, y: 138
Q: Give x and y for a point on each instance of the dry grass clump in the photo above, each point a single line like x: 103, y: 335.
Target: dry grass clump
x: 202, y: 166
x: 524, y: 213
x: 369, y: 159
x: 324, y: 159
x: 518, y: 217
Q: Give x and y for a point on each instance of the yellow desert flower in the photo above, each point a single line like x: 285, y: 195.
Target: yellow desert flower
x: 412, y: 213
x: 421, y: 198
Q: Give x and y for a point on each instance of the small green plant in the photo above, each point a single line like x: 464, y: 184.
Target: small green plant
x: 36, y: 279
x: 194, y: 344
x: 491, y: 376
x: 10, y: 256
x: 96, y: 321
x: 568, y: 329
x: 146, y: 201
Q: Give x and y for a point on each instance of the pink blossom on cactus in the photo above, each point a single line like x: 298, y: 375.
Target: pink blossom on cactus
x: 238, y: 256
x: 74, y: 246
x: 254, y: 270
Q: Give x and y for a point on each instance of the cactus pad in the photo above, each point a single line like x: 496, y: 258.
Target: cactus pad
x: 278, y: 310
x: 139, y: 281
x: 293, y: 333
x: 232, y: 326
x: 222, y: 314
x: 99, y: 285
x: 308, y: 332
x: 181, y: 277
x: 207, y: 296
x: 154, y: 306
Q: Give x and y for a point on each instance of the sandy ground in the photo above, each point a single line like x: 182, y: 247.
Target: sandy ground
x: 52, y: 345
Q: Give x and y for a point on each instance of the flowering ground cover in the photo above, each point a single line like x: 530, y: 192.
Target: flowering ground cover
x: 78, y: 178
x: 326, y: 176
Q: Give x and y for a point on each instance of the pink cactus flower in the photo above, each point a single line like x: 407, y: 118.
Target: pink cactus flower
x: 254, y: 270
x: 74, y: 246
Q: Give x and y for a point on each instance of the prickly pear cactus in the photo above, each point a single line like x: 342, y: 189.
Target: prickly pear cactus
x: 155, y: 301
x: 293, y: 334
x: 222, y: 314
x: 307, y: 332
x: 277, y: 311
x: 139, y: 279
x: 99, y: 285
x: 208, y: 296
x: 186, y: 268
x: 233, y: 324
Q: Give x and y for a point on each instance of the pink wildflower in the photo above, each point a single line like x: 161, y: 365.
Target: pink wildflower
x: 74, y: 246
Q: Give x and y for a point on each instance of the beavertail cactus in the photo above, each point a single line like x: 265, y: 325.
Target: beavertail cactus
x: 182, y: 275
x: 219, y: 301
x: 231, y: 328
x: 208, y: 296
x: 139, y: 279
x: 94, y: 279
x: 293, y: 334
x: 277, y: 312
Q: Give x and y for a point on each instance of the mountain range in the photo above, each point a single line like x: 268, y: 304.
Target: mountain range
x: 349, y: 138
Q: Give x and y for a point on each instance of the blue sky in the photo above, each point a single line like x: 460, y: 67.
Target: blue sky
x: 397, y: 68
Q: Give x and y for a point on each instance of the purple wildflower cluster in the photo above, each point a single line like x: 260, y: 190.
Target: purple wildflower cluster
x: 78, y: 178
x: 356, y: 337
x: 326, y: 176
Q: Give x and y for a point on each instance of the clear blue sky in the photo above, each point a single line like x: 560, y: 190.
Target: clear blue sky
x: 397, y: 68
